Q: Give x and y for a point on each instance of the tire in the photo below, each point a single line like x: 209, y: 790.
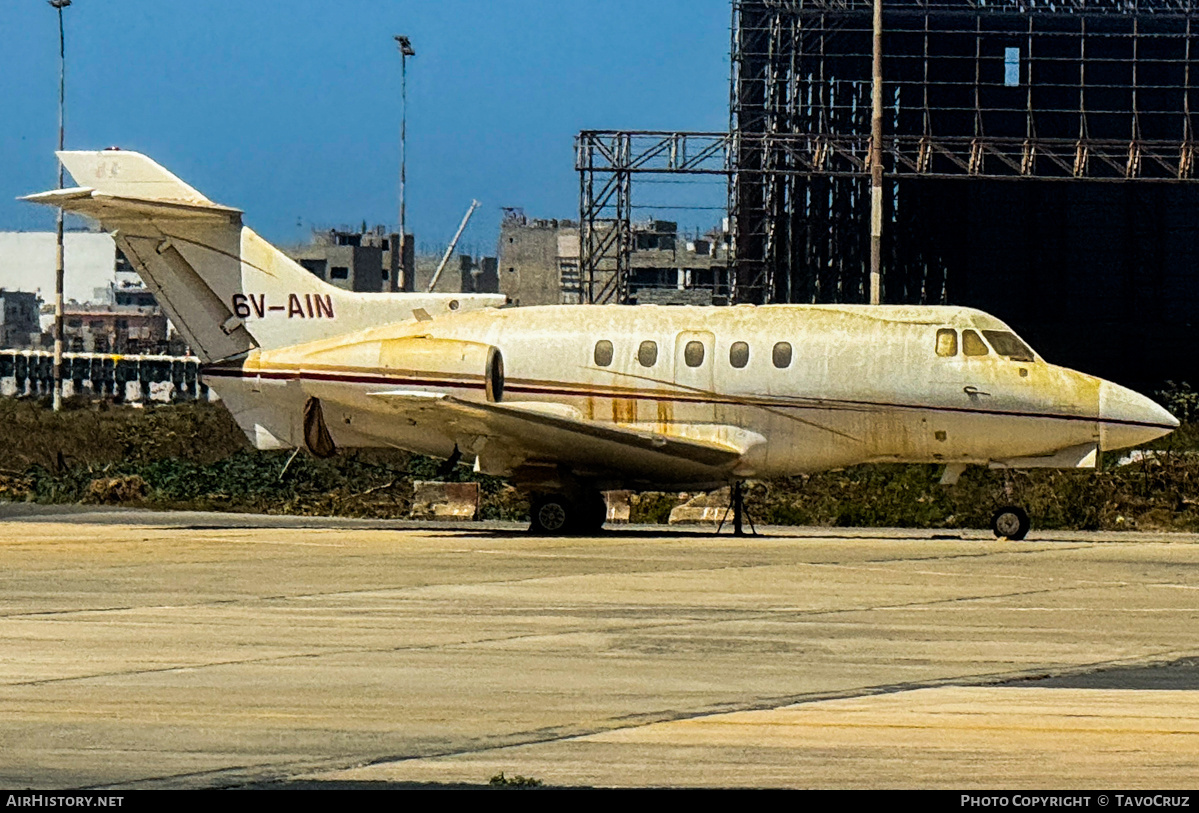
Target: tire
x: 593, y: 514
x: 1011, y: 522
x: 552, y: 514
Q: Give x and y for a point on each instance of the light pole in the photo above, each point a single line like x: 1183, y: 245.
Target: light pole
x: 406, y: 50
x: 876, y: 158
x: 58, y: 251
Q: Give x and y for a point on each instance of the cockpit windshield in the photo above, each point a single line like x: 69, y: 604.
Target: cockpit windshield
x: 1006, y: 344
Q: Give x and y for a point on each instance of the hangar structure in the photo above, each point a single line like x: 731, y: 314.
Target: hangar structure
x: 1039, y: 159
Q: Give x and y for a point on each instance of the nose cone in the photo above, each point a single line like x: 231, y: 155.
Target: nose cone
x: 1127, y: 418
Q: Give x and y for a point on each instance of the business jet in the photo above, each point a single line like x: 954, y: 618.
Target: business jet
x: 569, y: 401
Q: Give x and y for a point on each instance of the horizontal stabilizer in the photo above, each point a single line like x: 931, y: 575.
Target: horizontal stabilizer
x: 105, y: 207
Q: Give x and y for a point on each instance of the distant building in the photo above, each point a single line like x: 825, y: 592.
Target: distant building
x: 126, y: 292
x: 484, y: 277
x: 538, y: 260
x: 355, y: 261
x: 130, y: 329
x: 19, y: 325
x: 90, y: 261
x: 464, y: 275
x: 539, y: 263
x: 364, y: 261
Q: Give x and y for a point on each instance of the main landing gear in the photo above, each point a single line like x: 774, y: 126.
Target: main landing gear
x: 1010, y: 522
x: 561, y: 513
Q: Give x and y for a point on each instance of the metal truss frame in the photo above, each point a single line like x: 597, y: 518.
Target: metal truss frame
x: 797, y: 152
x: 607, y: 161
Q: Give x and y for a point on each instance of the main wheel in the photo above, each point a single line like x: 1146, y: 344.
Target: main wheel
x: 593, y: 512
x: 551, y: 514
x: 1011, y: 521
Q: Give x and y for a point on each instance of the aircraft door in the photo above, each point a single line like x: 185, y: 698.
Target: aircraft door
x: 694, y: 363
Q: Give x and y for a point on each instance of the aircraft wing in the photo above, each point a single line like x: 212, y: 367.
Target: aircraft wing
x: 507, y: 435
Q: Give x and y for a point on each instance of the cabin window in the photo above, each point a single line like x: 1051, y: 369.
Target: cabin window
x: 693, y: 354
x: 647, y: 354
x: 603, y: 353
x: 947, y: 342
x: 973, y: 345
x: 782, y: 355
x: 739, y: 354
x: 1006, y: 344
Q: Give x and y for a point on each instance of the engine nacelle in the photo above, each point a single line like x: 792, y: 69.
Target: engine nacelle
x: 408, y: 362
x: 454, y: 360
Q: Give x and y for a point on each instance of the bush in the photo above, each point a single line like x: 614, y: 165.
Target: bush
x: 192, y: 455
x: 652, y: 507
x: 116, y: 490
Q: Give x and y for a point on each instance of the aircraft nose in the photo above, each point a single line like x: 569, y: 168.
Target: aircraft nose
x: 1127, y: 418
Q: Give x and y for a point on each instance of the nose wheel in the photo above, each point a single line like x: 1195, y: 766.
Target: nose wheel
x: 1011, y: 522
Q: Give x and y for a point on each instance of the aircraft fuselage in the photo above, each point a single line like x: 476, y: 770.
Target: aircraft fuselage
x: 794, y: 388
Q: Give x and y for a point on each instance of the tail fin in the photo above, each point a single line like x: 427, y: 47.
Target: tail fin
x: 225, y: 288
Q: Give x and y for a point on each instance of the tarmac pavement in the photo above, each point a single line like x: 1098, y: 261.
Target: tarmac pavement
x: 150, y: 649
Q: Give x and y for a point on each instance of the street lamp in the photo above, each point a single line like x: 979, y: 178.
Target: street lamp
x: 406, y: 51
x: 876, y: 158
x: 58, y: 252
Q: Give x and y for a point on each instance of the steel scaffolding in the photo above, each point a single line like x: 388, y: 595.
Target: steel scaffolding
x: 1064, y: 90
x: 1052, y: 90
x: 607, y: 162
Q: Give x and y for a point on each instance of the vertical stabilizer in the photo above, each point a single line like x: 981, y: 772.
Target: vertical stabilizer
x: 225, y: 288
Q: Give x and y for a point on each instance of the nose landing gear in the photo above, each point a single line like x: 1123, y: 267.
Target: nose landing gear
x: 1010, y: 522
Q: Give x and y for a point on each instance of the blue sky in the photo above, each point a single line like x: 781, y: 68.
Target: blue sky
x: 290, y: 110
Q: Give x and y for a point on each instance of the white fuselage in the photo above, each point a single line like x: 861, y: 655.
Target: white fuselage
x: 793, y: 388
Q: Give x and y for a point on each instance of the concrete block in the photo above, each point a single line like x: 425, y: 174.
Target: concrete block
x: 709, y: 508
x: 433, y: 500
x: 162, y: 391
x: 697, y: 515
x: 619, y: 506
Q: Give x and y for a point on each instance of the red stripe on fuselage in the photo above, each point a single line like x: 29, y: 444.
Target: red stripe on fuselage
x: 558, y: 388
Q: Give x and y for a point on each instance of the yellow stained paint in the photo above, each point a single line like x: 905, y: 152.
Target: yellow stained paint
x: 665, y: 416
x: 624, y: 410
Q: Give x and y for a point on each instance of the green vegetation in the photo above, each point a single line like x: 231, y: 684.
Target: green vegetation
x: 518, y: 781
x: 192, y: 456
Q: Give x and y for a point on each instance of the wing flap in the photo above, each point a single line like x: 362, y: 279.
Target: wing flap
x: 543, y: 435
